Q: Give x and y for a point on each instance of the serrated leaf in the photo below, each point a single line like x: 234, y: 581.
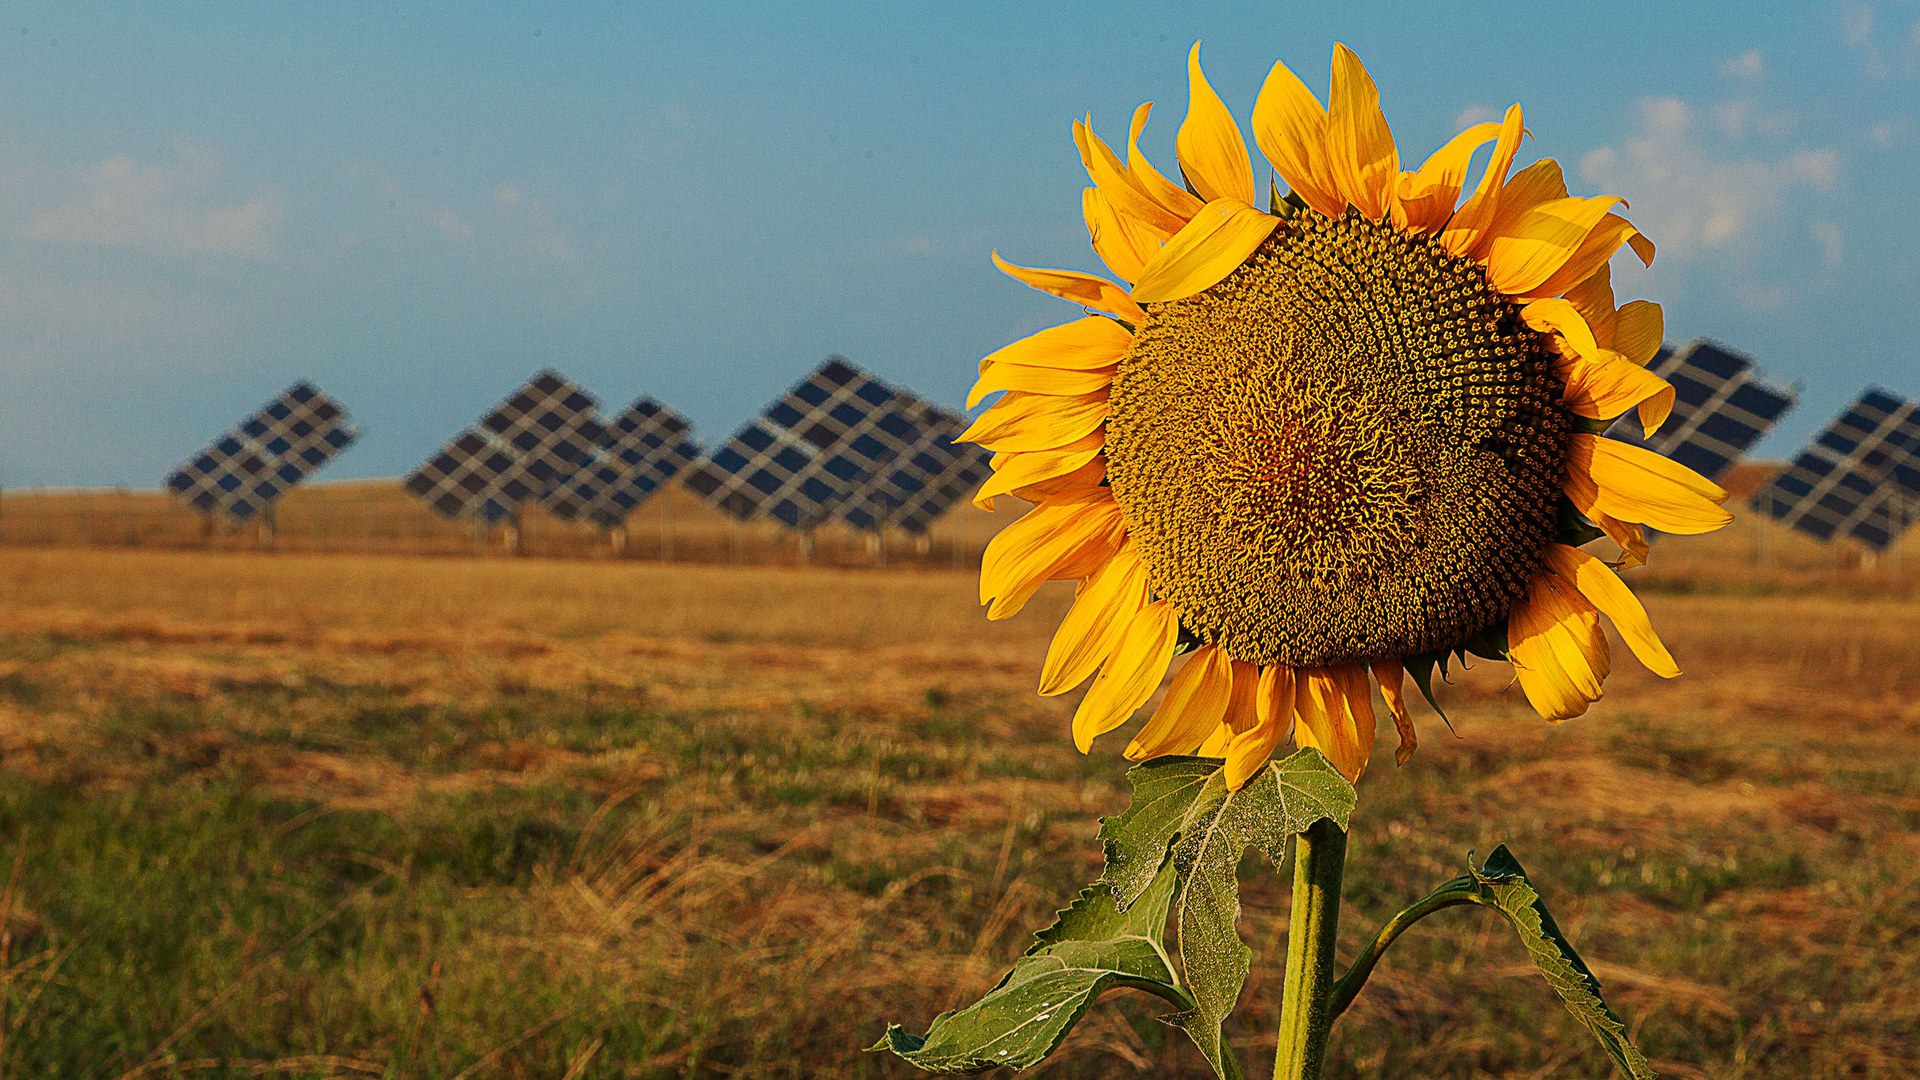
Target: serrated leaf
x: 1505, y: 884
x: 1184, y: 802
x: 1091, y: 948
x: 1170, y: 796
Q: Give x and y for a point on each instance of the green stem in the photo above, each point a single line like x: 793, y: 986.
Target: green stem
x: 1356, y: 976
x: 1306, y: 1015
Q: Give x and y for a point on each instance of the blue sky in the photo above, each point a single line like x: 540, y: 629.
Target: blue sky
x: 417, y: 206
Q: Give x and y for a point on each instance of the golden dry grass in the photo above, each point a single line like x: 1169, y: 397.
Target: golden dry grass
x: 367, y: 815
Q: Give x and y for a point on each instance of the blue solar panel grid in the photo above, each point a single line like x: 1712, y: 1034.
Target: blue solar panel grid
x: 1860, y: 477
x: 245, y: 470
x: 1721, y: 408
x: 919, y: 485
x: 812, y: 449
x: 644, y: 447
x: 546, y: 431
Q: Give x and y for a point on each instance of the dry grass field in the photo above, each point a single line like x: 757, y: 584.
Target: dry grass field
x: 360, y: 815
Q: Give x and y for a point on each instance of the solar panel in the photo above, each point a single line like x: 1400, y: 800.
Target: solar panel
x: 813, y: 448
x: 543, y: 432
x: 1860, y: 477
x: 919, y: 485
x: 241, y: 473
x: 642, y: 449
x: 1721, y: 407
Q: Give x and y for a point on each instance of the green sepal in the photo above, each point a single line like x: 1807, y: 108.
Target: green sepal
x: 1488, y: 644
x: 1420, y: 669
x: 1589, y: 425
x: 1283, y: 206
x: 1091, y: 948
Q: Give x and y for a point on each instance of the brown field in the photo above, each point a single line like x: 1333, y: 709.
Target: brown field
x: 363, y: 815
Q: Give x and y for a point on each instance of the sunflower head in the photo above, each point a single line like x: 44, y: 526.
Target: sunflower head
x: 1351, y: 432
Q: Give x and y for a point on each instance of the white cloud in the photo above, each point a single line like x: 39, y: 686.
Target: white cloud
x: 166, y: 209
x: 1695, y: 194
x: 1885, y: 54
x: 1748, y: 65
x: 1474, y: 114
x: 1828, y: 235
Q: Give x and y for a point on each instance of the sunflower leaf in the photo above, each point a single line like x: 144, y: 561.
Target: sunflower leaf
x: 1503, y: 885
x: 1091, y: 948
x: 1183, y: 802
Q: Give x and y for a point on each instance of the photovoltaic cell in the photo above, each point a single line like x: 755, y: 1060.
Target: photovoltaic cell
x: 245, y: 470
x: 545, y: 431
x: 643, y: 448
x: 813, y: 448
x: 1860, y: 477
x: 922, y: 482
x: 1721, y: 408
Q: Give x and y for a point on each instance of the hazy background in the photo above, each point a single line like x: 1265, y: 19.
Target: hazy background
x: 200, y: 203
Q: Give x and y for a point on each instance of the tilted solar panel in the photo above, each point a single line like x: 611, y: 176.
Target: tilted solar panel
x: 241, y: 473
x: 1860, y: 477
x: 1721, y: 408
x: 812, y: 449
x: 643, y: 448
x: 544, y: 431
x: 919, y: 485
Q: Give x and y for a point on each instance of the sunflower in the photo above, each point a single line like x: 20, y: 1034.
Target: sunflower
x: 1321, y: 445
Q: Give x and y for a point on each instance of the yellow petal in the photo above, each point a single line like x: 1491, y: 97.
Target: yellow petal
x: 1603, y: 588
x: 1634, y: 484
x: 1273, y: 722
x: 1541, y: 241
x: 1107, y: 604
x: 1336, y: 716
x: 1642, y: 246
x: 1021, y: 421
x: 1631, y: 538
x: 1081, y: 345
x: 1048, y: 543
x: 1638, y: 330
x: 1593, y: 299
x: 1427, y: 196
x: 1122, y: 242
x: 1213, y: 245
x: 1603, y: 389
x: 1129, y: 676
x: 1216, y: 744
x: 1120, y: 186
x: 1243, y: 709
x: 1081, y: 485
x: 1466, y: 233
x: 1011, y: 472
x: 1212, y: 155
x: 1290, y: 125
x: 1538, y: 183
x: 1180, y: 202
x: 1391, y: 676
x: 1360, y: 150
x: 1558, y: 652
x: 1195, y: 704
x: 1083, y: 289
x: 1555, y: 316
x: 1053, y: 381
x: 1586, y: 260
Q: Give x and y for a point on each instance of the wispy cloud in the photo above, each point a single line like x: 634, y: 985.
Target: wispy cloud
x: 1887, y: 51
x: 173, y: 208
x: 1702, y: 194
x: 1748, y: 66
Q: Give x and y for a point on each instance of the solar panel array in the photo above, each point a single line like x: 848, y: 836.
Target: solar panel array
x: 814, y: 448
x: 923, y: 482
x: 1721, y: 408
x: 1859, y: 478
x: 546, y: 431
x: 642, y: 450
x: 241, y: 473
